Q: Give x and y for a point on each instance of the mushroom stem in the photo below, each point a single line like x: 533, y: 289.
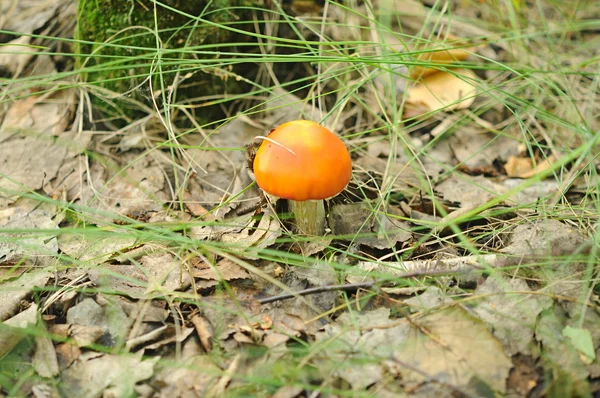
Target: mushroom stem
x: 309, y: 215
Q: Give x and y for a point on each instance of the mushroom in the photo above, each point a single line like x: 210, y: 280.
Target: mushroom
x: 305, y: 163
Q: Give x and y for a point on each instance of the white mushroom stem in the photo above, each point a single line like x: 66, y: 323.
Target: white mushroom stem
x: 310, y: 216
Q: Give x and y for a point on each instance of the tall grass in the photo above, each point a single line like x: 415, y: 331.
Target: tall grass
x: 537, y: 85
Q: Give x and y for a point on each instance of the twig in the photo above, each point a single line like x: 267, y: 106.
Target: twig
x: 348, y: 286
x: 315, y: 290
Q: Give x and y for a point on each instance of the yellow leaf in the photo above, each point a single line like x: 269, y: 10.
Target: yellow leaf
x: 521, y: 167
x: 446, y: 90
x: 448, y: 52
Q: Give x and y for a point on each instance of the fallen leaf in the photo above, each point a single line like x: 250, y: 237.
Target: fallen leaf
x: 446, y: 91
x: 30, y: 248
x: 44, y: 359
x: 255, y: 237
x: 221, y: 177
x: 582, y: 341
x: 42, y: 117
x: 67, y: 354
x: 204, y: 330
x: 26, y: 16
x: 96, y: 249
x: 96, y: 375
x: 447, y: 52
x: 15, y: 54
x: 155, y: 273
x: 472, y: 191
x: 524, y: 377
x: 34, y: 144
x: 137, y: 188
x: 12, y: 331
x: 148, y: 311
x: 225, y: 270
x: 523, y: 167
x: 109, y: 317
x: 561, y: 356
x: 364, y: 225
x: 80, y: 335
x: 509, y: 311
x: 474, y: 149
x: 544, y: 238
x: 432, y: 297
x: 191, y: 377
x: 15, y: 290
x: 457, y: 350
x: 171, y: 334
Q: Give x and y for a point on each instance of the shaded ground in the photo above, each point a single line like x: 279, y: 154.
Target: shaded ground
x: 461, y: 260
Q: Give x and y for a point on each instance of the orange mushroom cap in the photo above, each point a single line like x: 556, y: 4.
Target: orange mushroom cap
x: 306, y: 161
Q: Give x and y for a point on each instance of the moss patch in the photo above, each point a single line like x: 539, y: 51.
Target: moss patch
x: 127, y: 47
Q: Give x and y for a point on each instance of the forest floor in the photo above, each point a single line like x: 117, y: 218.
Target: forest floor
x: 138, y: 257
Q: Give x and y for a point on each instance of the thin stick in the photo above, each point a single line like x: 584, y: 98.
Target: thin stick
x: 315, y: 290
x: 350, y: 286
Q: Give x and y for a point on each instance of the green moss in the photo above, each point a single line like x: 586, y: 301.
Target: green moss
x: 119, y: 50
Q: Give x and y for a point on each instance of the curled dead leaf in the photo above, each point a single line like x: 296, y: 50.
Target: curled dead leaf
x: 443, y: 90
x: 445, y: 53
x: 204, y: 330
x: 224, y: 270
x: 524, y: 167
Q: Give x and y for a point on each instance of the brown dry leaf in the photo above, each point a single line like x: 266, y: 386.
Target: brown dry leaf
x: 547, y: 238
x: 195, y: 208
x: 432, y: 297
x: 383, y: 230
x: 254, y: 238
x: 13, y: 291
x: 443, y: 91
x: 44, y: 360
x: 138, y: 188
x: 342, y: 339
x: 561, y: 355
x: 96, y: 250
x: 26, y: 16
x: 67, y: 354
x: 30, y: 248
x: 81, y: 335
x: 406, y: 179
x: 159, y: 272
x: 13, y: 331
x: 510, y: 316
x: 188, y: 378
x: 462, y: 351
x: 457, y: 350
x: 473, y: 149
x: 34, y: 145
x: 225, y: 270
x: 471, y: 191
x: 96, y: 375
x: 204, y: 330
x: 16, y: 54
x: 104, y: 314
x: 523, y: 167
x: 146, y: 310
x: 214, y: 231
x: 48, y: 114
x: 171, y: 334
x: 544, y: 238
x: 221, y: 175
x: 288, y: 392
